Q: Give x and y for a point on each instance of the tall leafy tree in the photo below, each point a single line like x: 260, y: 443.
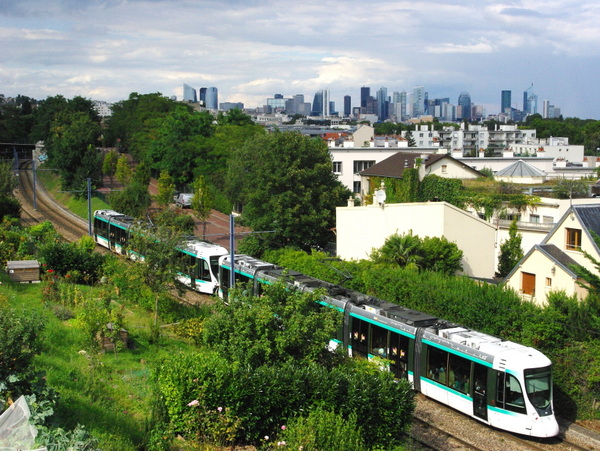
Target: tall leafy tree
x: 180, y: 140
x: 202, y: 201
x: 123, y: 171
x: 109, y: 165
x: 166, y: 189
x: 71, y: 148
x: 510, y: 251
x: 283, y: 182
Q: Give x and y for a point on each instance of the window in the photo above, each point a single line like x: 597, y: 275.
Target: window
x: 459, y: 370
x: 548, y: 281
x: 534, y: 218
x: 398, y: 355
x: 378, y: 341
x: 356, y: 188
x: 509, y: 393
x: 548, y: 220
x: 444, y: 168
x: 528, y: 283
x: 361, y: 165
x: 337, y: 167
x: 573, y: 239
x: 359, y: 337
x: 436, y: 365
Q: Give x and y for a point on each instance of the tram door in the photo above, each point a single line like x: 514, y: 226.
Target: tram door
x: 479, y: 391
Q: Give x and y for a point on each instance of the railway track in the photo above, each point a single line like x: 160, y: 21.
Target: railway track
x: 440, y: 427
x: 70, y: 226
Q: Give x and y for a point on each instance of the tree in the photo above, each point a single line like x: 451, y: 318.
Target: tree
x: 71, y: 148
x: 439, y: 254
x: 166, y: 189
x: 403, y: 250
x: 123, y: 171
x: 109, y: 166
x: 283, y: 182
x: 411, y: 140
x: 8, y: 181
x: 134, y: 200
x: 510, y: 251
x: 181, y: 138
x: 571, y: 189
x: 141, y: 174
x: 161, y: 260
x: 202, y: 202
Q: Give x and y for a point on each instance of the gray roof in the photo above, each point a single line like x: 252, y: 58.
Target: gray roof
x: 590, y: 216
x: 520, y: 169
x: 554, y: 253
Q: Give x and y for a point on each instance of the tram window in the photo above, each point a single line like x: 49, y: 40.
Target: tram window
x: 359, y: 335
x: 509, y: 393
x: 379, y: 341
x: 459, y: 370
x: 436, y: 365
x: 398, y: 354
x: 203, y: 269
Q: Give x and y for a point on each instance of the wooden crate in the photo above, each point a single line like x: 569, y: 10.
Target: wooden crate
x: 24, y: 271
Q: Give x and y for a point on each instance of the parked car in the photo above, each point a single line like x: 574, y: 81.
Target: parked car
x: 184, y: 200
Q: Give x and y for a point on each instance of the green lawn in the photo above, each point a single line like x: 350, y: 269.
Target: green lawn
x: 75, y: 202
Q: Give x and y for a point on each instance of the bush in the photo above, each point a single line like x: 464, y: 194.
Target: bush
x: 321, y: 430
x: 72, y: 259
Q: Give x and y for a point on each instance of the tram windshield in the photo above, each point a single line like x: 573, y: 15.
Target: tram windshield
x: 538, y: 384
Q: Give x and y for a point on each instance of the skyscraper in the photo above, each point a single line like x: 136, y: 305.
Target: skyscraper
x: 418, y: 108
x: 347, y: 106
x: 506, y: 101
x: 189, y: 94
x: 320, y: 106
x: 530, y: 101
x: 464, y: 102
x: 212, y: 98
x: 365, y: 93
x: 382, y: 104
x: 202, y: 96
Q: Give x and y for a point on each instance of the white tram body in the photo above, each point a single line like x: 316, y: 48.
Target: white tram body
x: 500, y: 383
x: 199, y: 258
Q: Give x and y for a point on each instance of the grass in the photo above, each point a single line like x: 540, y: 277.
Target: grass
x: 109, y: 393
x: 77, y: 205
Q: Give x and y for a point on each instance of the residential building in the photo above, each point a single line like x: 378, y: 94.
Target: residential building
x: 359, y: 230
x: 548, y: 266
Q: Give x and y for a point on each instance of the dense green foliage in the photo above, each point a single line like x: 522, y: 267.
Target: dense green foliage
x: 284, y: 183
x: 571, y: 189
x: 69, y: 259
x: 134, y: 200
x: 563, y: 325
x: 427, y: 254
x: 9, y: 205
x: 268, y: 364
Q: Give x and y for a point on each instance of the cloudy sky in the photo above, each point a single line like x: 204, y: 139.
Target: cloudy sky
x: 252, y: 49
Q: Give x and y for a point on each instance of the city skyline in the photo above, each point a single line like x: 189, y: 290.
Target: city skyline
x: 105, y: 50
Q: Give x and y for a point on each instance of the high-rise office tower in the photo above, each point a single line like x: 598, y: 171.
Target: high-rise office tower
x: 530, y: 101
x: 320, y: 105
x: 382, y: 104
x: 202, y: 96
x: 212, y: 98
x: 418, y: 108
x: 347, y: 106
x: 365, y: 93
x: 505, y: 101
x: 464, y: 102
x: 189, y: 94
